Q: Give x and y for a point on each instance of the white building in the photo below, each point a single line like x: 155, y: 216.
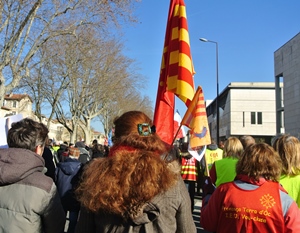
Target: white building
x: 14, y: 104
x: 245, y: 108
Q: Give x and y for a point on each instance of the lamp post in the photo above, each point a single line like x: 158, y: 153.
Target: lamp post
x: 217, y: 74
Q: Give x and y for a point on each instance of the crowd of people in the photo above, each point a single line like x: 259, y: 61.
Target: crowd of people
x: 142, y: 184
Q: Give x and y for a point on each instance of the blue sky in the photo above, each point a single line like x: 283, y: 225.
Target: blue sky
x: 248, y: 33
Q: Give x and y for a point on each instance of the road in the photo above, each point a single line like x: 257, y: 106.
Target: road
x: 196, y: 215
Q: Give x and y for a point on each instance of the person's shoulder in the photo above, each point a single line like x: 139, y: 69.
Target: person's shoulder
x: 40, y: 181
x: 224, y: 187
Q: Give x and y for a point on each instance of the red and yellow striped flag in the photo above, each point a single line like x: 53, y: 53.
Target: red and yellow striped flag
x: 176, y: 74
x: 195, y: 118
x: 178, y: 64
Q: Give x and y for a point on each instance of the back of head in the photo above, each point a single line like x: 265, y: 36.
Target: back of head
x: 213, y: 145
x: 135, y: 129
x: 233, y: 148
x: 221, y: 145
x: 247, y: 140
x: 95, y: 142
x: 260, y: 161
x: 80, y: 144
x: 74, y: 152
x: 27, y: 134
x: 288, y: 148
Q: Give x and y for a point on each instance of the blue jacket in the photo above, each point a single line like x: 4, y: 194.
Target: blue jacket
x: 67, y: 178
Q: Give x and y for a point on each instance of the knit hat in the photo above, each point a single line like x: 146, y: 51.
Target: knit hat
x: 80, y: 144
x: 73, y: 151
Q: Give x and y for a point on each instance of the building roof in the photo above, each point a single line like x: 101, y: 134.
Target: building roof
x: 16, y: 97
x: 5, y: 108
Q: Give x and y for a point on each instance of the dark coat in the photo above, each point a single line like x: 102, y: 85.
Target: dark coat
x: 49, y: 164
x: 67, y: 178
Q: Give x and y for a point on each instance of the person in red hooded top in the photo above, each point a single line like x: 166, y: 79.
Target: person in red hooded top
x: 254, y: 201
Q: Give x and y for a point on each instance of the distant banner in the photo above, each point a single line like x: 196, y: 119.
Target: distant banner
x: 5, y: 124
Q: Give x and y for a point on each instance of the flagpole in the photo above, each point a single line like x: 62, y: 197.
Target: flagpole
x: 176, y: 134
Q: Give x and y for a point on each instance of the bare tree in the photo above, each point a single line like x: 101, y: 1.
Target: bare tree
x: 47, y: 81
x: 128, y: 100
x: 28, y: 25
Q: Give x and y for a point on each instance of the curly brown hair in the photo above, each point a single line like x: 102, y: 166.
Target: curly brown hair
x: 126, y: 133
x: 132, y: 175
x: 124, y: 182
x: 260, y: 160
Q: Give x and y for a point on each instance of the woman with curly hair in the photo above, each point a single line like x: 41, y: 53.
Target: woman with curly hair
x: 254, y: 201
x: 134, y: 189
x: 288, y: 148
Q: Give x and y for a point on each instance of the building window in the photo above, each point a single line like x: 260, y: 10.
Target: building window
x: 253, y: 120
x: 259, y: 118
x: 14, y: 104
x: 256, y: 118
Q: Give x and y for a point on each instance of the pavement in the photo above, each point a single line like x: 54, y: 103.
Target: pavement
x: 196, y: 214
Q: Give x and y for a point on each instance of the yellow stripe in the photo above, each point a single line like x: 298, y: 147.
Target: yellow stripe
x: 185, y: 61
x: 184, y: 36
x: 174, y: 34
x: 174, y: 57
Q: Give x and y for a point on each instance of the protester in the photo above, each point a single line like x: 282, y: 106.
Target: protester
x: 63, y: 147
x: 221, y: 144
x: 97, y: 151
x: 254, y: 201
x: 49, y: 163
x: 134, y: 189
x: 212, y: 154
x: 68, y: 175
x: 84, y: 156
x: 189, y: 171
x: 223, y: 170
x: 288, y: 148
x: 247, y: 140
x: 29, y: 200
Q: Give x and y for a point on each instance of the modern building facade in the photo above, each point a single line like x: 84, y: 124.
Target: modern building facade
x: 245, y: 108
x: 287, y: 71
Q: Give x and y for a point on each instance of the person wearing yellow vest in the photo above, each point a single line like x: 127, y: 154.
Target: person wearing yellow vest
x: 254, y: 201
x: 212, y: 154
x: 223, y: 170
x: 288, y: 148
x: 189, y: 171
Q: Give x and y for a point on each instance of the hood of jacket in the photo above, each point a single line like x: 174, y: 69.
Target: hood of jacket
x: 69, y: 166
x: 212, y: 147
x: 17, y: 163
x: 83, y: 150
x: 150, y: 211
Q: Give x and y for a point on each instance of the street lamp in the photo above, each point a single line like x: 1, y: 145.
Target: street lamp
x: 217, y: 74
